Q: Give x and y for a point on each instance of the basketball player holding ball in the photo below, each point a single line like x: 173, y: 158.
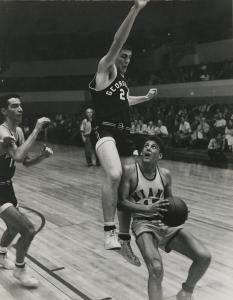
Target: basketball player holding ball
x: 110, y: 95
x: 144, y: 192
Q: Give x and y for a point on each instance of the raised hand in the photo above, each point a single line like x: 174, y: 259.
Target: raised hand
x: 46, y: 151
x: 141, y: 3
x: 7, y: 141
x: 152, y: 93
x: 42, y: 122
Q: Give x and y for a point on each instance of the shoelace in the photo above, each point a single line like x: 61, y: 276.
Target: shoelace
x: 130, y: 250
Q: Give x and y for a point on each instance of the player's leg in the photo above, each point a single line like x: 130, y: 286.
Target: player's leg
x: 88, y: 151
x: 19, y: 223
x: 126, y: 251
x: 148, y: 246
x: 111, y: 164
x: 185, y: 243
x: 8, y: 235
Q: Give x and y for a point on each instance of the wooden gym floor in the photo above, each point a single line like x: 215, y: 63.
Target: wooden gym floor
x: 68, y: 257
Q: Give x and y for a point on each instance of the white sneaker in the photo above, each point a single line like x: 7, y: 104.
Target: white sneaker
x: 111, y: 240
x: 6, y: 263
x: 24, y: 278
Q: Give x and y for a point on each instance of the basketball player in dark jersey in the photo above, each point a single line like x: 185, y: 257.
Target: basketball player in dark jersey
x: 111, y: 100
x: 143, y: 191
x: 13, y: 148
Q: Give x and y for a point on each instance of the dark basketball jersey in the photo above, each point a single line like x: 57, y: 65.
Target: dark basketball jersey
x: 111, y: 104
x: 7, y: 164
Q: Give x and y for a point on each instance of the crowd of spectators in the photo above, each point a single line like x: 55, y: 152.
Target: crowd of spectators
x: 193, y: 73
x: 189, y: 126
x: 208, y: 126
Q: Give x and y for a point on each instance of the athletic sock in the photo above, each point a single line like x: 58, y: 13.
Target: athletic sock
x: 3, y: 250
x: 187, y: 288
x: 109, y: 226
x: 20, y: 265
x: 124, y: 236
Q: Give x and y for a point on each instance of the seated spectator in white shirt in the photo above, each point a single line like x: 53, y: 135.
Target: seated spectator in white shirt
x: 161, y: 130
x: 133, y: 127
x: 183, y: 136
x: 229, y: 135
x: 151, y: 128
x: 141, y: 127
x: 202, y: 134
x: 220, y: 123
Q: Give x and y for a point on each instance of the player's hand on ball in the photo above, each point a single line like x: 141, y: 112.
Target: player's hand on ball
x: 159, y: 207
x: 46, y: 151
x: 152, y: 93
x: 7, y: 141
x: 42, y: 122
x: 141, y: 3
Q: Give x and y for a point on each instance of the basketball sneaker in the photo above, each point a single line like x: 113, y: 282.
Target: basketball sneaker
x: 25, y: 278
x: 182, y: 295
x: 127, y: 252
x: 6, y: 263
x: 111, y: 241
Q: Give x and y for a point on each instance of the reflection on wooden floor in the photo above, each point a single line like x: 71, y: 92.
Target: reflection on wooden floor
x: 68, y: 256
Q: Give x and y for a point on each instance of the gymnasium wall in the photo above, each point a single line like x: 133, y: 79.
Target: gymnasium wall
x: 219, y: 91
x: 153, y: 60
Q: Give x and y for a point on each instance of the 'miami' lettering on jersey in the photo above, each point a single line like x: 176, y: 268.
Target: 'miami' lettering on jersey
x: 140, y: 195
x: 114, y: 87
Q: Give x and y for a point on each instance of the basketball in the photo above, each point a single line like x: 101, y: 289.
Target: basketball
x: 177, y: 212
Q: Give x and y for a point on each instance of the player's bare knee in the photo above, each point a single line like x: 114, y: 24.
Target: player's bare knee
x: 155, y: 268
x: 205, y: 257
x: 28, y: 232
x: 114, y: 176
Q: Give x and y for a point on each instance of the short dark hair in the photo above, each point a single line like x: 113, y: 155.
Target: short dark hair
x: 4, y: 99
x: 127, y: 46
x: 156, y: 140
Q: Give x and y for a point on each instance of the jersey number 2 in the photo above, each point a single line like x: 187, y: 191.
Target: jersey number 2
x: 122, y: 95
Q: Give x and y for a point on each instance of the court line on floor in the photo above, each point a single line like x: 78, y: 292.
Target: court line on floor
x: 51, y: 272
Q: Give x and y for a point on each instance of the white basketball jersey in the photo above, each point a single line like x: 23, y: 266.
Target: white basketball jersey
x: 146, y: 190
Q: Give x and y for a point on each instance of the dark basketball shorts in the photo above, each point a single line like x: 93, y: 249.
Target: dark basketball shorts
x: 162, y: 233
x: 126, y: 143
x: 7, y: 196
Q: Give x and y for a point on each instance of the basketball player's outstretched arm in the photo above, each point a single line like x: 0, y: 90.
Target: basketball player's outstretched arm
x: 19, y: 153
x: 133, y: 100
x: 108, y: 61
x: 167, y: 179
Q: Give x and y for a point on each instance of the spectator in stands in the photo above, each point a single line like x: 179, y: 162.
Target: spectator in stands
x: 141, y: 127
x: 204, y: 76
x: 216, y: 148
x: 151, y: 128
x: 220, y: 123
x: 202, y: 134
x: 85, y: 130
x: 161, y: 130
x: 229, y: 134
x: 183, y: 135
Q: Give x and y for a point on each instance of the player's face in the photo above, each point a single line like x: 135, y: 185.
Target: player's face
x: 14, y: 111
x: 151, y: 152
x: 123, y: 60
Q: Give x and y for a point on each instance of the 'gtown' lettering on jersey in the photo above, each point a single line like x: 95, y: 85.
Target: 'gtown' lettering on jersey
x: 111, y: 104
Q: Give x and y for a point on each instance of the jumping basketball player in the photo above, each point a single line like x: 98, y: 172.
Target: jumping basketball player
x: 13, y: 148
x: 144, y: 190
x: 111, y: 99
